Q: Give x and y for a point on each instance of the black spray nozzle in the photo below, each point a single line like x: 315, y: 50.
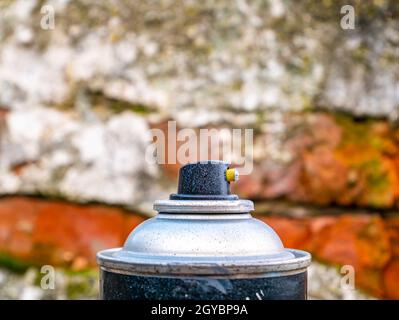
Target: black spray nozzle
x: 205, y: 180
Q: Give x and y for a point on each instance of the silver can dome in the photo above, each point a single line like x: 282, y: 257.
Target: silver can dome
x: 212, y: 238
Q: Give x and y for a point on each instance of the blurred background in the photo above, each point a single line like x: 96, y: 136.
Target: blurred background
x: 82, y: 82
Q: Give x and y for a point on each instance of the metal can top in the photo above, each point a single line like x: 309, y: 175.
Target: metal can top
x: 204, y: 230
x: 223, y: 244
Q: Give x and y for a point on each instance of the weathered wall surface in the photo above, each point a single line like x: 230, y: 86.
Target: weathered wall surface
x: 77, y: 103
x: 36, y: 232
x: 247, y: 64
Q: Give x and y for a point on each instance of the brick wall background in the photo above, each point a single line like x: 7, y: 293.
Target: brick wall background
x: 77, y: 103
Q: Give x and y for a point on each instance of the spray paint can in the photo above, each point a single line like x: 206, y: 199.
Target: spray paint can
x: 203, y: 244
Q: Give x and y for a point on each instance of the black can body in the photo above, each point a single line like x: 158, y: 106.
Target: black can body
x: 116, y: 286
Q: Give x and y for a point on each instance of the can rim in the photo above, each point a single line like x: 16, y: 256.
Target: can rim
x: 255, y: 265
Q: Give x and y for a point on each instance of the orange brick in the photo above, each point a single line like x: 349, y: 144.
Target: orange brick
x: 294, y: 233
x: 391, y: 279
